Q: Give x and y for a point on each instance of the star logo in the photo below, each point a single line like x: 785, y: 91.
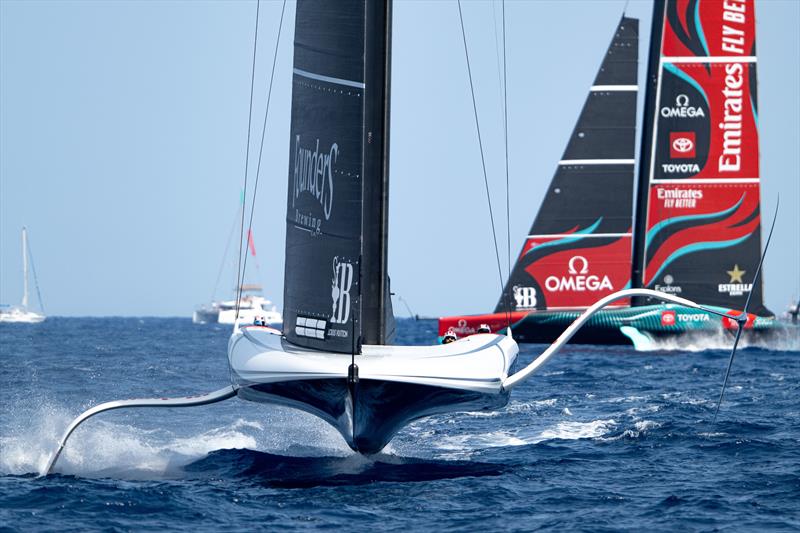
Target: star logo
x: 736, y: 274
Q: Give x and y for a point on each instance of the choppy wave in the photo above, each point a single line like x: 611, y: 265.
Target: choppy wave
x: 516, y: 407
x: 461, y: 445
x: 639, y: 429
x: 602, y: 439
x: 265, y: 469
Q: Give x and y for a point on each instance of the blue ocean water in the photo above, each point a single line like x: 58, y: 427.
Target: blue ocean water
x: 603, y: 438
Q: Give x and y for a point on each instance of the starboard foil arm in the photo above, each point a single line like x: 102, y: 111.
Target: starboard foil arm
x: 515, y: 379
x: 187, y: 401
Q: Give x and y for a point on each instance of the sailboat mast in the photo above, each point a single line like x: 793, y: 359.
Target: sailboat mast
x: 646, y: 147
x: 375, y: 301
x: 24, y: 268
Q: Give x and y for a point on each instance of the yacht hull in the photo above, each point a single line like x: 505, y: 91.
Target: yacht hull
x: 615, y: 326
x: 369, y: 413
x: 395, y: 385
x: 18, y: 316
x: 205, y: 316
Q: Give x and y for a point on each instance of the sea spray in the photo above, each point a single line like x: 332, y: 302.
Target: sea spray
x: 101, y: 447
x: 788, y: 341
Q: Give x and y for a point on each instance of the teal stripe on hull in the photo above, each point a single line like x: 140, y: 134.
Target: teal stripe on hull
x: 655, y: 319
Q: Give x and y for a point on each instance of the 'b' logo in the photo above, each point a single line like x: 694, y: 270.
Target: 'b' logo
x: 340, y: 291
x: 525, y: 297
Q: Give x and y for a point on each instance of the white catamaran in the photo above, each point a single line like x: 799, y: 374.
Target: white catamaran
x: 21, y: 314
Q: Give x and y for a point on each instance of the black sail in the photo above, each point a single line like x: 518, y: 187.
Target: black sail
x: 336, y: 167
x: 579, y: 246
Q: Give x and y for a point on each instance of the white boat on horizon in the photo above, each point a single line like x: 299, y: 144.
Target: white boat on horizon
x: 252, y: 307
x: 21, y: 314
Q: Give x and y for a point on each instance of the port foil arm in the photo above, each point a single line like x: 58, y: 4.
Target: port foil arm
x: 188, y: 401
x: 515, y: 379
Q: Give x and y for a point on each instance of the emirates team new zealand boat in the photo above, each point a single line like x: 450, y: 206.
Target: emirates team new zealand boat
x: 697, y: 226
x: 334, y: 358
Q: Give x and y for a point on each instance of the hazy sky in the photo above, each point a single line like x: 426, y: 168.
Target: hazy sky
x: 123, y: 128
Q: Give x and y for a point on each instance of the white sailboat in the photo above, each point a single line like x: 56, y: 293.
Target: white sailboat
x: 21, y: 314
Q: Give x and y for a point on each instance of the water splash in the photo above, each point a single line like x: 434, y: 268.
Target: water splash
x: 103, y: 448
x: 579, y: 430
x: 463, y: 445
x: 640, y: 429
x: 787, y: 340
x: 515, y: 407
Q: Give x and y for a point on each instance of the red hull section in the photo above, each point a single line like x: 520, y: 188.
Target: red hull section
x: 467, y: 325
x: 613, y: 326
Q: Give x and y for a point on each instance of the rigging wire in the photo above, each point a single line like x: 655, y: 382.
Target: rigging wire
x: 35, y: 279
x: 246, y: 164
x: 501, y: 82
x: 408, y: 308
x: 480, y: 145
x: 227, y: 247
x: 497, y: 49
x: 508, y: 190
x: 263, y: 134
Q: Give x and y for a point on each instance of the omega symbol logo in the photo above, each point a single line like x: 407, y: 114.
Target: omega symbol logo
x: 682, y: 109
x: 578, y: 278
x: 578, y: 260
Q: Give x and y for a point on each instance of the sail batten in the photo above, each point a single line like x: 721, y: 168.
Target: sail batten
x: 329, y: 79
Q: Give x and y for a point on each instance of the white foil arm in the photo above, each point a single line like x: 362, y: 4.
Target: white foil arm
x: 515, y: 379
x: 188, y: 401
